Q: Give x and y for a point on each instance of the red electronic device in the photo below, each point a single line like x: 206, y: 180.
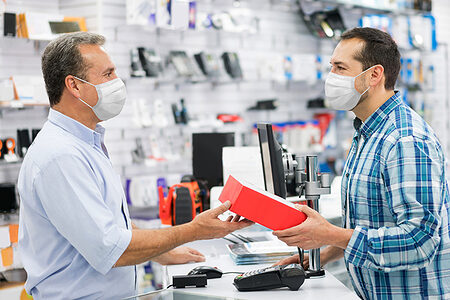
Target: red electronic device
x: 182, y: 204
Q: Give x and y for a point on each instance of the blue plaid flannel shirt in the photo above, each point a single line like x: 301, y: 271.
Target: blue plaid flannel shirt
x: 395, y: 181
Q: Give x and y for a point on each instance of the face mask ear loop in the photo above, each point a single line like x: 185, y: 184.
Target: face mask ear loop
x: 361, y: 72
x: 85, y: 103
x: 365, y: 91
x: 91, y: 83
x: 360, y: 75
x: 87, y: 83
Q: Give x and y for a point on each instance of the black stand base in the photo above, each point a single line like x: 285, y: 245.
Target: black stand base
x: 317, y: 274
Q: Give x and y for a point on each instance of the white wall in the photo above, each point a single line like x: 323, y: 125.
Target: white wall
x: 281, y: 32
x: 441, y: 11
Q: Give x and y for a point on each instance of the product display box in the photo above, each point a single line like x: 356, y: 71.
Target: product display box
x: 260, y: 206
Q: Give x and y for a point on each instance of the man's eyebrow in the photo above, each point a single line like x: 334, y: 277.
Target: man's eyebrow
x: 109, y: 70
x: 341, y: 63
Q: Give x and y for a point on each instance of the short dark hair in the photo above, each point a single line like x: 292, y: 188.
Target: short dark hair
x: 379, y: 49
x: 62, y: 57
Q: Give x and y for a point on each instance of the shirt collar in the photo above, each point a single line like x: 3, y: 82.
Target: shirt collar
x: 375, y: 120
x: 84, y: 133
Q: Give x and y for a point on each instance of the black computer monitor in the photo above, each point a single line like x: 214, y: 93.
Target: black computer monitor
x: 272, y: 160
x: 207, y: 155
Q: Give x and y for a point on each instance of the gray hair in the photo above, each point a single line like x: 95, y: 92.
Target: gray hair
x: 62, y: 58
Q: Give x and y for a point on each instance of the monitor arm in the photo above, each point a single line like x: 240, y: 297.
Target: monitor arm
x: 312, y: 184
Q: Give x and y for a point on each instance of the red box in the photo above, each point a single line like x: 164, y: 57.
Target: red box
x: 260, y: 206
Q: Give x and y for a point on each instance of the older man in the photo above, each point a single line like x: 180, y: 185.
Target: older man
x: 76, y: 239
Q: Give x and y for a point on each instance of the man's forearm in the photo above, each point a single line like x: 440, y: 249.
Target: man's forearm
x: 340, y: 237
x: 146, y: 243
x: 330, y: 254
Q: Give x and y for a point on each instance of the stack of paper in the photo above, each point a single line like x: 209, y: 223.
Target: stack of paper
x: 260, y: 252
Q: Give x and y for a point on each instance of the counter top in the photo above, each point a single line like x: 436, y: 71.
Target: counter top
x: 217, y: 256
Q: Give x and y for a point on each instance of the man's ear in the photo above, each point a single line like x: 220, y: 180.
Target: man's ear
x: 72, y: 85
x: 377, y: 75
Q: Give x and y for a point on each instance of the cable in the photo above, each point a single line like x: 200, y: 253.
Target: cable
x: 301, y: 256
x: 232, y: 273
x: 148, y: 293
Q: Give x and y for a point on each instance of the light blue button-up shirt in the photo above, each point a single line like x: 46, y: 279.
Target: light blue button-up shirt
x: 74, y: 221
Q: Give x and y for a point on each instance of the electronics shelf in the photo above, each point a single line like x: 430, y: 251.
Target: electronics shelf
x: 178, y: 82
x: 7, y: 163
x: 387, y: 8
x: 40, y: 39
x: 20, y: 104
x: 164, y: 31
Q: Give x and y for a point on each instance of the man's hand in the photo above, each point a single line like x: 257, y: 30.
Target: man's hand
x: 327, y: 255
x: 294, y: 259
x: 180, y: 255
x: 314, y: 232
x: 207, y: 225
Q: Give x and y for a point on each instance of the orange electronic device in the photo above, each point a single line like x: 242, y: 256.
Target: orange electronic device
x: 10, y: 145
x: 1, y: 149
x: 182, y: 204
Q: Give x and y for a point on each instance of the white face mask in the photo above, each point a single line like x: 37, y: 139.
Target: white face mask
x: 111, y: 98
x: 340, y: 92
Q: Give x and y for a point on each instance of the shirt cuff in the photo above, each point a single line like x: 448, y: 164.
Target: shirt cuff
x: 356, y: 251
x: 124, y: 239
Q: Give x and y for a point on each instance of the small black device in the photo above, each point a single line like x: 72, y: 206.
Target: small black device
x: 232, y: 65
x: 211, y: 272
x: 151, y: 63
x: 180, y: 113
x: 182, y: 281
x: 183, y: 113
x: 324, y: 22
x: 208, y: 64
x: 9, y: 24
x: 24, y: 141
x: 291, y: 276
x: 182, y: 63
x: 135, y: 64
x: 269, y: 104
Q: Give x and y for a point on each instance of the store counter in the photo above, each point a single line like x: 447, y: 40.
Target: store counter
x: 216, y: 254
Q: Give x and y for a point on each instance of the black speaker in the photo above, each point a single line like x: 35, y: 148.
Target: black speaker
x: 8, y: 199
x: 23, y: 141
x: 182, y: 206
x: 34, y: 133
x: 9, y: 24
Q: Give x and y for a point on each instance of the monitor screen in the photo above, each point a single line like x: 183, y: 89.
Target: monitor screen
x: 207, y: 156
x: 272, y: 160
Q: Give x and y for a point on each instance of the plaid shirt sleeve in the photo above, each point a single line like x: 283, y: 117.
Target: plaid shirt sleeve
x: 413, y: 182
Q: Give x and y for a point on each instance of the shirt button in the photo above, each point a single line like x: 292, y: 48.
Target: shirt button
x: 347, y: 174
